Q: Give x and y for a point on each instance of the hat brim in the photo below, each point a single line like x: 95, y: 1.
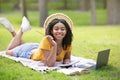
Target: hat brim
x: 58, y: 16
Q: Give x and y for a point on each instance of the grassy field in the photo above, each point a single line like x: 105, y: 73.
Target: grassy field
x: 87, y: 41
x: 79, y: 18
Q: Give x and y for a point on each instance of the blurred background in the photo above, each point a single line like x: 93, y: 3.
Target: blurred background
x: 86, y: 12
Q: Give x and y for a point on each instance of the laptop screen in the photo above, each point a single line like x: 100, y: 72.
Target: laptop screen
x: 102, y: 58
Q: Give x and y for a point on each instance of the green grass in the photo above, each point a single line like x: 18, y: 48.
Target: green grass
x: 79, y: 18
x: 87, y: 41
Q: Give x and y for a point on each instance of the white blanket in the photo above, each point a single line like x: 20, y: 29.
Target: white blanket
x: 78, y: 64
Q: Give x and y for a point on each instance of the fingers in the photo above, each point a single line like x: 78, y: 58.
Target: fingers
x: 51, y: 40
x: 49, y: 37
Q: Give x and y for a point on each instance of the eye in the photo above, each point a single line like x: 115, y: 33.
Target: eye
x: 56, y: 29
x: 63, y: 29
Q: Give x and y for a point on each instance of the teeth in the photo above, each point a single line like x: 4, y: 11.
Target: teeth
x: 59, y: 34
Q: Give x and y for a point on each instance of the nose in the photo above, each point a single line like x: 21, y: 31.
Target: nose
x: 59, y: 30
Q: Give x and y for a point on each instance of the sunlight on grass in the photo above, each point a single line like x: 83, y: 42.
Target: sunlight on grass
x: 87, y: 42
x: 79, y: 18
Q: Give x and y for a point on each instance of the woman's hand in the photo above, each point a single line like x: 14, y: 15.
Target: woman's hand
x: 50, y: 55
x: 67, y: 57
x: 51, y: 40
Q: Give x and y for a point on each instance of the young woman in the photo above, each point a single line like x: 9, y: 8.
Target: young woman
x: 55, y: 46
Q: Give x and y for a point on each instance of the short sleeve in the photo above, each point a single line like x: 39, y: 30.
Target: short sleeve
x: 69, y: 48
x: 45, y: 44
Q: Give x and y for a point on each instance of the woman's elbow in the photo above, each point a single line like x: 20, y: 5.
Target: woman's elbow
x: 49, y: 64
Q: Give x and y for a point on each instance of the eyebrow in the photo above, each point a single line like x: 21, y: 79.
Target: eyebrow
x: 60, y: 27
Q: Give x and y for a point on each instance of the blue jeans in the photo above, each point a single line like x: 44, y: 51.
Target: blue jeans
x: 25, y: 50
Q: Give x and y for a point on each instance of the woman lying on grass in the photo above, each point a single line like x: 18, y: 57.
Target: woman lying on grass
x: 55, y: 46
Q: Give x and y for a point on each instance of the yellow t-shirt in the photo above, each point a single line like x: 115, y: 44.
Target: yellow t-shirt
x: 46, y: 45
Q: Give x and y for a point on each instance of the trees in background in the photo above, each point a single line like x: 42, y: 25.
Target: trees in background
x: 43, y: 10
x: 113, y: 7
x: 23, y: 7
x: 93, y: 12
x: 113, y: 11
x: 65, y: 4
x: 84, y: 5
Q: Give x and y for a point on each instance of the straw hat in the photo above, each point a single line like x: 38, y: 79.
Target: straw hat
x: 58, y: 16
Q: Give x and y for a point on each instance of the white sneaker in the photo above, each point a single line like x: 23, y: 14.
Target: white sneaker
x: 7, y: 24
x: 25, y: 26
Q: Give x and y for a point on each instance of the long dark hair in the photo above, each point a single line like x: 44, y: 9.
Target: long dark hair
x: 67, y: 40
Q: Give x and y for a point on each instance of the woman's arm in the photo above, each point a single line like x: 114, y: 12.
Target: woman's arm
x: 50, y: 56
x: 67, y: 58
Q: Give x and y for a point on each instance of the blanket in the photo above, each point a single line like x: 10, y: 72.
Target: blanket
x: 78, y: 65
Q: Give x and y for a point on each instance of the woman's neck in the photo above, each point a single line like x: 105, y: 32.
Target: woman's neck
x: 59, y: 42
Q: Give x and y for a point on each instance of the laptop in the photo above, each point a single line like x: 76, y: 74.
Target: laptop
x: 102, y: 58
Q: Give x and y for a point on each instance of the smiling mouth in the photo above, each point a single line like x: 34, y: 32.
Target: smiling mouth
x: 59, y: 35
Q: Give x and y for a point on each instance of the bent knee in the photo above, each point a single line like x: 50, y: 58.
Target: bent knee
x: 9, y: 52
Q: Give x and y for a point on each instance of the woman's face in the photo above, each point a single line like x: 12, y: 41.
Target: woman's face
x: 59, y: 31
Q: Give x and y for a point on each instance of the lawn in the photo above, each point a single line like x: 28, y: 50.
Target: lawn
x: 87, y: 41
